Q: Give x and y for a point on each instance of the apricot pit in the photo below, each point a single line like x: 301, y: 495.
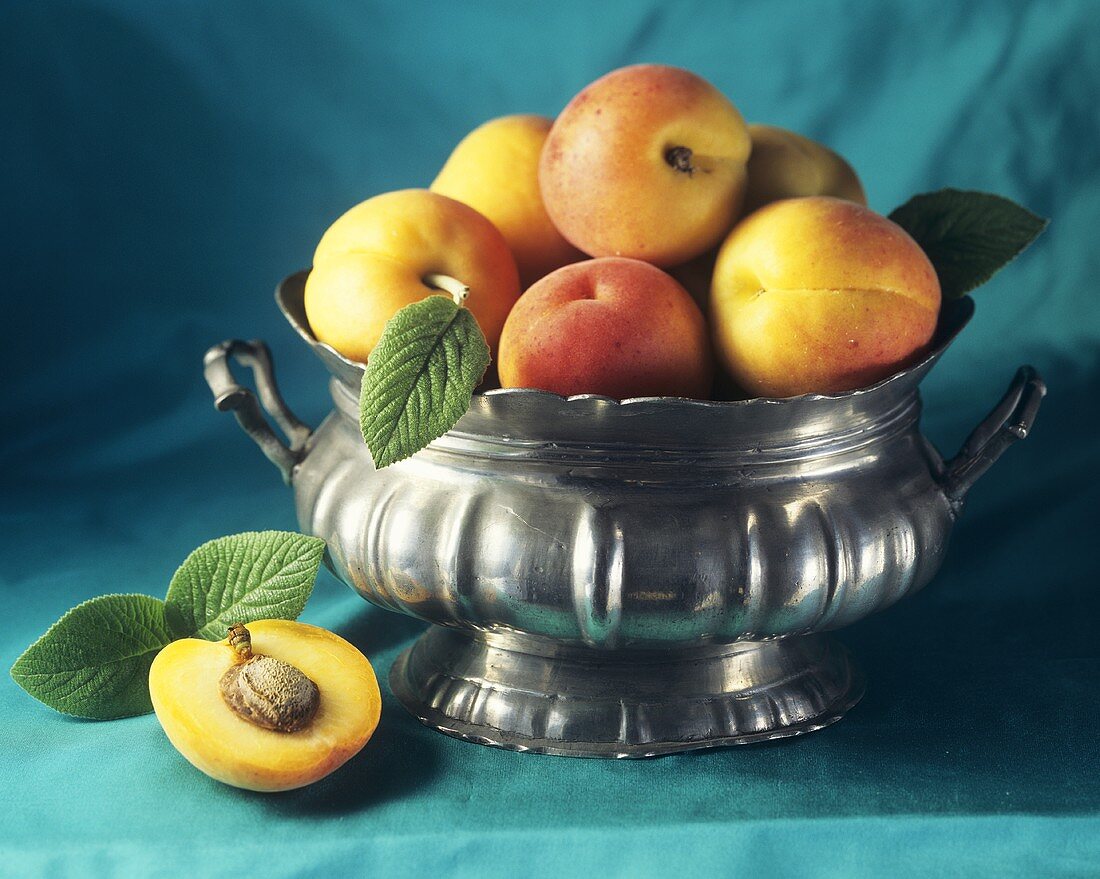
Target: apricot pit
x: 267, y: 691
x: 275, y: 706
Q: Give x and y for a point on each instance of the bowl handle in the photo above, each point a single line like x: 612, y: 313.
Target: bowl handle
x: 230, y: 396
x: 1009, y: 421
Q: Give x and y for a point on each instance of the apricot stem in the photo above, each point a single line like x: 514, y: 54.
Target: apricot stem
x: 679, y: 157
x: 447, y: 284
x: 240, y: 640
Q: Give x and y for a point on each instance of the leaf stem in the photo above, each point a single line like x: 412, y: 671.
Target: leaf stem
x: 447, y: 284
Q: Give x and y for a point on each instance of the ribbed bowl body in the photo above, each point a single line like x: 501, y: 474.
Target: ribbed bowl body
x: 649, y: 523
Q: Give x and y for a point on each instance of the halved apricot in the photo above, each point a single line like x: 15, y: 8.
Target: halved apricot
x: 261, y: 726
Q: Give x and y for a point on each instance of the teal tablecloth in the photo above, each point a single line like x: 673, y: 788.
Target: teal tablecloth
x: 164, y: 164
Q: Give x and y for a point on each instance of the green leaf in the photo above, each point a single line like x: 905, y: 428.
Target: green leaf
x: 968, y: 236
x: 243, y: 578
x: 94, y: 661
x: 420, y: 378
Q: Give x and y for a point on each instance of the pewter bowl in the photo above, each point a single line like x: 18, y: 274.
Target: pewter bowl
x: 624, y: 579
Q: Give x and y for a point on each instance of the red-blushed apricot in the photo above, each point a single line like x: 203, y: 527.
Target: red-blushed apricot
x: 617, y: 327
x: 252, y: 725
x: 820, y: 295
x: 646, y: 162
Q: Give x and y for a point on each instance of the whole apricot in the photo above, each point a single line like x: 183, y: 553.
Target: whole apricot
x: 784, y: 164
x: 646, y: 162
x: 275, y: 706
x: 495, y: 170
x: 820, y: 295
x: 617, y: 327
x: 395, y: 249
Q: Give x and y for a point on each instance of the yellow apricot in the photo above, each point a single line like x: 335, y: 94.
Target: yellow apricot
x: 389, y: 251
x: 206, y: 717
x: 784, y: 164
x: 820, y: 295
x: 495, y: 170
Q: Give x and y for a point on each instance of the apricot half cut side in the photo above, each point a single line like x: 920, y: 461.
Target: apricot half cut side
x: 186, y: 686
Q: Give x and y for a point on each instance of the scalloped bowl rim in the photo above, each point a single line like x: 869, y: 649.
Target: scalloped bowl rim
x: 964, y: 306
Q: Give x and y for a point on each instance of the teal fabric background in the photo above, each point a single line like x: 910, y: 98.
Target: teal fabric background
x: 165, y: 164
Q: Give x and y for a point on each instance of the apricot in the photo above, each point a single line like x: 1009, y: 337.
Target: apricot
x: 617, y: 327
x: 820, y: 295
x: 397, y: 248
x: 495, y: 170
x: 281, y: 711
x: 784, y: 164
x: 646, y: 162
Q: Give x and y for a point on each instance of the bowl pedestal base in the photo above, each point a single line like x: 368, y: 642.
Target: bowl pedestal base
x: 527, y: 694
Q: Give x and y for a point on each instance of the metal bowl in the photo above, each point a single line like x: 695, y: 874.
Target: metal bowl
x: 623, y: 579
